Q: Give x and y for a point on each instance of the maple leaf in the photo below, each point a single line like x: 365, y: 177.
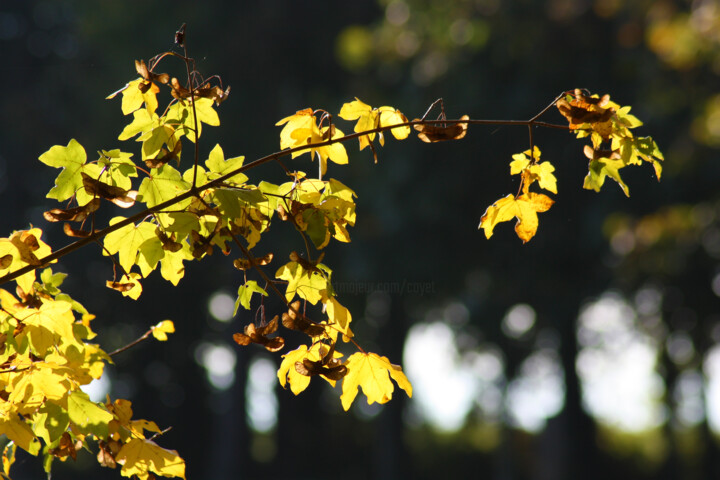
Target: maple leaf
x: 142, y: 457
x: 19, y: 432
x: 372, y: 373
x: 301, y: 129
x: 245, y: 294
x: 369, y: 118
x: 524, y: 208
x: 218, y: 166
x: 71, y: 159
x: 287, y: 373
x: 126, y: 241
x: 90, y: 417
x: 532, y: 171
x: 604, y: 163
x: 339, y: 316
x: 307, y: 283
x: 163, y: 184
x: 161, y: 330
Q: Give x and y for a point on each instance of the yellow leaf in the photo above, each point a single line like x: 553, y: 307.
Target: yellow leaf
x: 390, y: 116
x: 524, y: 208
x: 338, y: 315
x: 43, y: 381
x: 20, y: 433
x: 288, y: 374
x: 141, y: 457
x: 372, y: 373
x: 303, y: 119
x: 161, y: 330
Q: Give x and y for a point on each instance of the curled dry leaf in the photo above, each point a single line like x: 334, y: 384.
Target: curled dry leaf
x: 77, y: 214
x: 178, y: 91
x: 306, y: 264
x: 259, y: 335
x: 26, y: 243
x: 297, y: 321
x: 595, y: 154
x: 585, y: 109
x: 108, y: 450
x: 214, y: 93
x: 5, y: 261
x: 246, y: 264
x: 75, y: 232
x: 119, y: 196
x: 437, y: 133
x: 328, y: 366
x: 168, y: 243
x: 148, y: 76
x: 165, y: 156
x: 119, y: 286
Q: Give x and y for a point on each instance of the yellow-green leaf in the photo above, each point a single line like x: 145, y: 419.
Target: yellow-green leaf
x: 20, y: 433
x: 89, y: 416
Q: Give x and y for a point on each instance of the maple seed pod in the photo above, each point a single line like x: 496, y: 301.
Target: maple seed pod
x: 437, y: 133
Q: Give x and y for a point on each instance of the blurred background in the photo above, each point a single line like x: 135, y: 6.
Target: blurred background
x: 590, y: 352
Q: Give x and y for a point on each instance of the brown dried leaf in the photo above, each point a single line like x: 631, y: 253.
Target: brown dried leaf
x: 437, y: 133
x: 120, y: 287
x: 258, y: 334
x: 5, y: 261
x: 165, y: 156
x: 76, y: 233
x: 77, y: 214
x: 168, y: 243
x: 245, y: 264
x: 298, y: 321
x: 149, y: 76
x: 119, y: 196
x: 585, y: 109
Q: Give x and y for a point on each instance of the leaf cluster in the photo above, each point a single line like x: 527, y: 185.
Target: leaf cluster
x: 176, y: 214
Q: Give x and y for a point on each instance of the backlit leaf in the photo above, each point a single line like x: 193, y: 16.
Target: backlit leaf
x: 524, y: 208
x: 162, y: 329
x: 372, y: 373
x: 144, y: 457
x: 245, y: 294
x: 89, y: 416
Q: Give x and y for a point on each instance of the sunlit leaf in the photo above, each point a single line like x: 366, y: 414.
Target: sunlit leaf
x: 162, y: 329
x: 372, y: 373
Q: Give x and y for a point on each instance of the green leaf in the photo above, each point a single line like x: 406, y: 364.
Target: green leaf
x: 89, y: 416
x: 164, y: 183
x: 126, y: 241
x: 142, y: 122
x: 245, y: 294
x: 601, y: 168
x: 171, y: 265
x: 218, y: 166
x: 71, y: 159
